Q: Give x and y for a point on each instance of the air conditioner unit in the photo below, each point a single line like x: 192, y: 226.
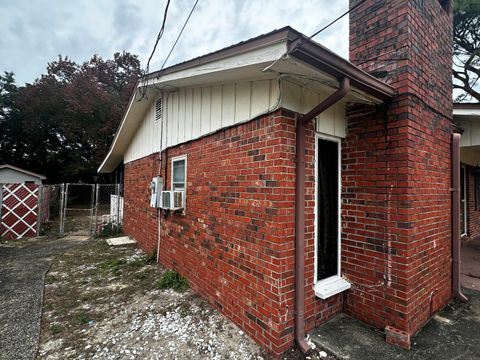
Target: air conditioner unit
x: 173, y: 200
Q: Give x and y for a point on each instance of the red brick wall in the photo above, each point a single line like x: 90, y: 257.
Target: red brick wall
x: 235, y: 242
x: 140, y: 220
x: 473, y: 215
x: 397, y: 218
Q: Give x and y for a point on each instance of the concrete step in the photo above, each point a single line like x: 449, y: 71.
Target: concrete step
x: 121, y: 241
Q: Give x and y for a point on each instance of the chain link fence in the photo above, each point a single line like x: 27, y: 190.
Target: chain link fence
x: 108, y: 215
x: 80, y: 209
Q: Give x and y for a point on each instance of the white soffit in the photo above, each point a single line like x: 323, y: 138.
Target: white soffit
x: 309, y: 76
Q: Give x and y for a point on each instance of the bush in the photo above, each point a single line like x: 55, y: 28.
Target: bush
x: 172, y: 280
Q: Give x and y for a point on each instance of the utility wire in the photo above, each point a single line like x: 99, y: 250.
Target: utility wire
x: 143, y: 89
x: 178, y: 38
x: 338, y: 18
x: 159, y: 36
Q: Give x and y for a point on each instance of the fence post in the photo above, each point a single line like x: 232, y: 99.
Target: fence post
x: 39, y: 208
x: 92, y: 208
x: 62, y: 205
x: 97, y: 200
x: 117, y: 192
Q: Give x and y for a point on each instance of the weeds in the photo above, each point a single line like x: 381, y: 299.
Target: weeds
x: 172, y: 280
x: 55, y: 329
x: 50, y: 279
x: 81, y: 319
x: 113, y: 264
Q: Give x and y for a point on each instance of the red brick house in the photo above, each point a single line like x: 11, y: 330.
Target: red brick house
x: 311, y: 185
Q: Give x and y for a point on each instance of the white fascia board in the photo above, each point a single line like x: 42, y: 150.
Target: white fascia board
x: 127, y: 129
x: 266, y: 54
x: 466, y: 112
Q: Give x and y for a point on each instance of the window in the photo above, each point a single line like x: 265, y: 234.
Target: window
x: 179, y: 172
x: 327, y: 221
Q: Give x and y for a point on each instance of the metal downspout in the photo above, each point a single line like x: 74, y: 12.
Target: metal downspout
x: 300, y: 210
x: 457, y: 291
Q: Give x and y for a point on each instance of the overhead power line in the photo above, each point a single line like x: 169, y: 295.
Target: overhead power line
x: 178, y: 37
x: 159, y: 36
x: 143, y: 89
x: 338, y: 18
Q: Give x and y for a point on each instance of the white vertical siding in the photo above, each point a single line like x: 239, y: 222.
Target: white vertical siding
x: 303, y: 99
x: 193, y: 112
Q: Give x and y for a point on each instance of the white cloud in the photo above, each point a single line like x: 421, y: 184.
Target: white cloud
x: 34, y: 33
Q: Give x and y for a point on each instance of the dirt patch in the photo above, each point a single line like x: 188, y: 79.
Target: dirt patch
x: 103, y: 303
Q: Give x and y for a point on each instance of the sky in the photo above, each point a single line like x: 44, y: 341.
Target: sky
x: 36, y: 32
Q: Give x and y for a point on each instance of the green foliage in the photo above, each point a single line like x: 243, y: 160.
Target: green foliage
x: 81, y: 319
x: 152, y: 258
x: 172, y: 280
x: 113, y: 264
x: 55, y: 329
x: 466, y: 36
x: 62, y: 124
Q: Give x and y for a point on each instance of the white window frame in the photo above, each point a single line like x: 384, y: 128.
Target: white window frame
x: 463, y: 202
x: 334, y: 284
x: 173, y: 160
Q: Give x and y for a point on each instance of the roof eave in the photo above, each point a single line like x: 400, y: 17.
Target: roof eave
x: 329, y: 62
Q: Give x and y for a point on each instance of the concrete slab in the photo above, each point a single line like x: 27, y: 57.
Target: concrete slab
x: 121, y: 241
x: 470, y: 272
x: 22, y: 276
x: 453, y: 334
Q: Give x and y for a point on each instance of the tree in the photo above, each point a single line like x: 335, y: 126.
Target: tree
x: 65, y: 121
x: 466, y: 49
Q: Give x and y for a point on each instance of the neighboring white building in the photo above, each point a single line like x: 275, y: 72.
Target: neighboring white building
x: 10, y: 174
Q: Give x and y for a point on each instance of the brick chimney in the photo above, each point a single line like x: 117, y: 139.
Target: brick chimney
x: 396, y: 224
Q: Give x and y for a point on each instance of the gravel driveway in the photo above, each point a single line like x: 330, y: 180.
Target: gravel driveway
x: 22, y: 272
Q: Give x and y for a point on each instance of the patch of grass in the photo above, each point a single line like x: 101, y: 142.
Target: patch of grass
x: 172, y: 280
x: 151, y: 259
x: 113, y: 264
x: 141, y: 275
x: 81, y: 319
x: 184, y: 309
x: 56, y: 329
x: 50, y: 279
x: 137, y: 263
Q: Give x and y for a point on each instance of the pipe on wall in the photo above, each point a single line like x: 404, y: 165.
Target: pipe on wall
x: 456, y: 262
x: 300, y: 210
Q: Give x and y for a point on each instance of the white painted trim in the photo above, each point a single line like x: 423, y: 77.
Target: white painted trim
x: 331, y: 286
x: 172, y: 160
x: 466, y: 112
x: 463, y: 169
x: 334, y: 284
